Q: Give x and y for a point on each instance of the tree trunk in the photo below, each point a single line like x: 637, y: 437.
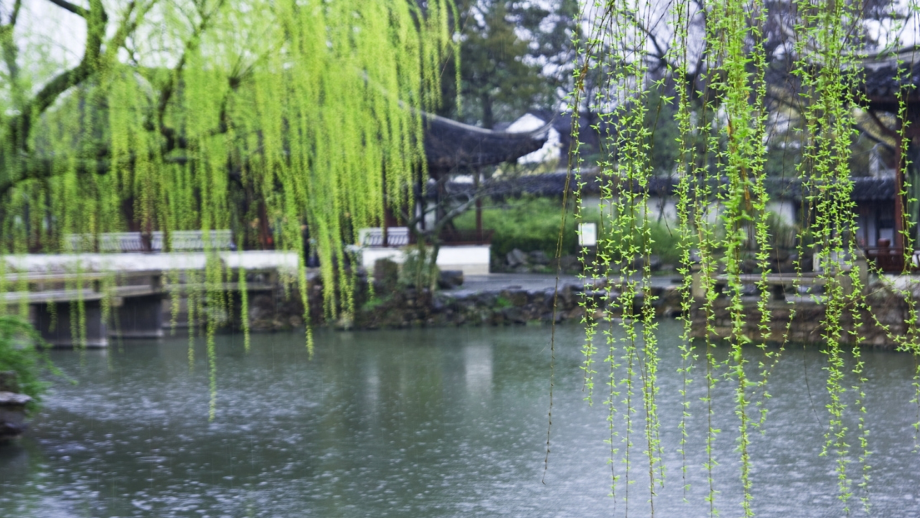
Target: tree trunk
x: 488, y: 117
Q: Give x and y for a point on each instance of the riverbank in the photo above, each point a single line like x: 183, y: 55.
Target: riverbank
x: 486, y: 300
x: 12, y: 407
x: 522, y: 299
x: 501, y: 305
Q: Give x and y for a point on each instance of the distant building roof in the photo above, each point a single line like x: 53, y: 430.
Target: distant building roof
x: 865, y: 188
x: 589, y: 134
x: 886, y: 74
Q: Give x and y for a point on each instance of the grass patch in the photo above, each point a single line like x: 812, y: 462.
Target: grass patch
x: 529, y: 223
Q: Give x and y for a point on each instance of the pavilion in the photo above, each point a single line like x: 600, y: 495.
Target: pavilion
x: 453, y: 148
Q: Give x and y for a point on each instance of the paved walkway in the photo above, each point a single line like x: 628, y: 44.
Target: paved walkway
x: 531, y: 281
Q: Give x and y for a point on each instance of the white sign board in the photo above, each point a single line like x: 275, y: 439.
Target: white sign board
x: 587, y: 234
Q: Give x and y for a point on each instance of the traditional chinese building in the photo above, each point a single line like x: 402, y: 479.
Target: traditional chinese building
x: 451, y: 149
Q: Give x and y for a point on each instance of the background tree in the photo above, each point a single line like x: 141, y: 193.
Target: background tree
x: 514, y: 56
x: 656, y: 29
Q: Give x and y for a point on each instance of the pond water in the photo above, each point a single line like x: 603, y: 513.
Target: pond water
x: 424, y: 423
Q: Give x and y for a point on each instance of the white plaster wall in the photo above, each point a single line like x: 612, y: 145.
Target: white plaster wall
x: 590, y: 202
x: 785, y: 209
x: 472, y: 259
x: 369, y: 256
x: 550, y: 149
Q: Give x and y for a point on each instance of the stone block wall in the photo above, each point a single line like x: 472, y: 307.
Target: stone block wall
x: 501, y: 306
x: 886, y: 316
x: 393, y: 307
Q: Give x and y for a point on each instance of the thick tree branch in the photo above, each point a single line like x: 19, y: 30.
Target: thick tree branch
x: 127, y: 27
x: 39, y: 169
x: 15, y: 13
x: 67, y: 6
x: 166, y: 94
x: 176, y: 141
x: 96, y: 21
x: 20, y: 125
x: 45, y: 168
x: 660, y: 53
x: 8, y: 47
x: 874, y: 138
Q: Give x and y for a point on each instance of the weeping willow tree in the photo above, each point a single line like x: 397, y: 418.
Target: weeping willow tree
x: 165, y: 115
x: 715, y: 57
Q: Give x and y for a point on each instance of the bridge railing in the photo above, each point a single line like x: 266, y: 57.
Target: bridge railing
x: 127, y: 242
x: 890, y: 259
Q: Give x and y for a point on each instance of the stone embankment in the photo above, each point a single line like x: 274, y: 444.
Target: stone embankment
x: 12, y: 407
x: 799, y: 319
x: 501, y: 306
x: 390, y: 306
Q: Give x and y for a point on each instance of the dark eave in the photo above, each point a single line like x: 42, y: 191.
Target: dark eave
x: 865, y: 189
x: 452, y: 146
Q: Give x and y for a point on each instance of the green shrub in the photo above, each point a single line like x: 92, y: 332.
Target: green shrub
x: 526, y: 223
x: 18, y: 354
x: 419, y: 269
x: 665, y: 242
x: 375, y: 301
x: 530, y: 224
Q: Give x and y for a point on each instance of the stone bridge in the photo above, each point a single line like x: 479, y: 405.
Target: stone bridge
x: 55, y: 288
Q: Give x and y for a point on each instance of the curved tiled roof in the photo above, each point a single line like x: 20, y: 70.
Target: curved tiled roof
x: 452, y: 146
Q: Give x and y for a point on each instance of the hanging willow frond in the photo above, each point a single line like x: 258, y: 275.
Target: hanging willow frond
x: 725, y: 61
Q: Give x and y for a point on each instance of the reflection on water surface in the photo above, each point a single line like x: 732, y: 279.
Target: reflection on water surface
x: 420, y: 423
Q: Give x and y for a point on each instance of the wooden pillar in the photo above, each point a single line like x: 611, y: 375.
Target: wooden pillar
x: 440, y: 195
x: 384, y: 228
x: 898, y: 197
x: 384, y: 239
x: 265, y: 233
x: 422, y: 205
x: 864, y: 214
x: 898, y: 178
x: 389, y: 220
x: 478, y: 207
